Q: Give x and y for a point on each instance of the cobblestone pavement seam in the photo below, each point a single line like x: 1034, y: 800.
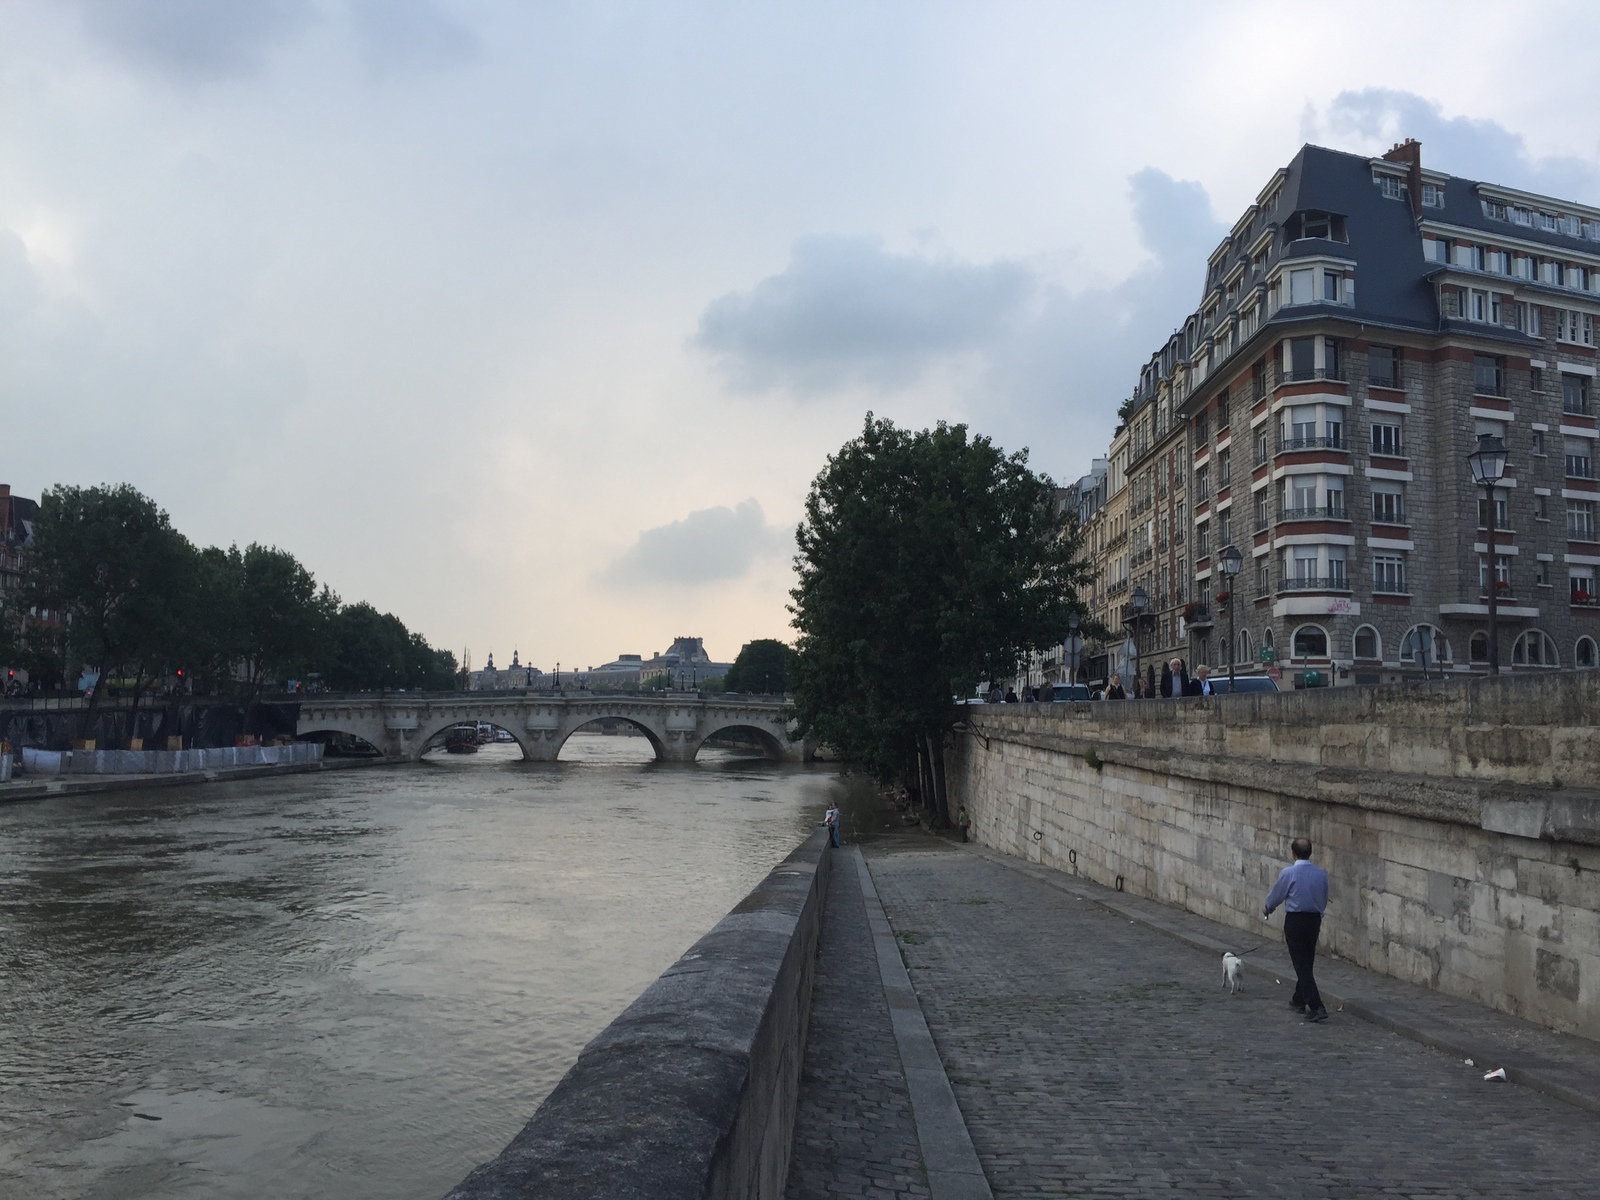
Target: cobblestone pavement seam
x: 948, y: 1156
x: 1579, y: 1089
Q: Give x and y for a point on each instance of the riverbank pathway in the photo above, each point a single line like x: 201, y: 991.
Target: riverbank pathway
x: 1093, y: 1052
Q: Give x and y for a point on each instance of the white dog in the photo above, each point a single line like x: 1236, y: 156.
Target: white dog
x: 1232, y: 972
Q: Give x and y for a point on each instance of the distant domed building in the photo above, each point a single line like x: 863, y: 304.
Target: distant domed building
x: 513, y: 678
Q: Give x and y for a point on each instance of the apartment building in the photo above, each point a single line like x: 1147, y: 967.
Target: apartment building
x: 1362, y: 325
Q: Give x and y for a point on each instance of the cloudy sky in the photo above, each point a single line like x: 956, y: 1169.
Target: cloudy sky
x: 531, y: 322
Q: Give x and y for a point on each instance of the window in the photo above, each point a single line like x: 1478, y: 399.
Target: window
x: 1261, y: 445
x: 1335, y: 434
x: 1389, y: 185
x: 1575, y: 327
x: 1433, y: 197
x: 1245, y: 651
x: 1497, y: 261
x: 1330, y: 358
x: 1436, y: 250
x: 1305, y: 568
x: 1367, y: 643
x: 1386, y: 440
x: 1202, y: 539
x: 1300, y: 285
x: 1502, y: 572
x: 1336, y: 576
x: 1264, y: 583
x: 1302, y: 358
x: 1335, y: 501
x: 1302, y: 427
x: 1388, y: 508
x: 1201, y: 433
x: 1202, y: 483
x: 1388, y: 574
x: 1495, y: 210
x: 1578, y: 458
x: 1501, y: 513
x: 1383, y: 366
x: 1224, y: 468
x: 1580, y: 520
x: 1580, y: 585
x: 1583, y: 654
x: 1536, y: 445
x: 1487, y: 376
x: 1541, y: 572
x: 1225, y: 527
x: 1478, y: 648
x: 1332, y: 287
x: 1534, y: 649
x: 1545, y: 221
x: 1310, y: 641
x: 1427, y: 642
x: 1261, y: 510
x: 1317, y: 225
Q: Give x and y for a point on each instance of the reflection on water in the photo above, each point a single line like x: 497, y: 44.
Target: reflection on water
x: 356, y: 984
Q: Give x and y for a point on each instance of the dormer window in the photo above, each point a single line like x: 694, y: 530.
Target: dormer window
x: 1433, y: 197
x: 1390, y: 185
x: 1493, y: 209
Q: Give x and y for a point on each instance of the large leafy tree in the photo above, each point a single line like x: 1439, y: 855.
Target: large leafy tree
x: 108, y: 561
x: 762, y: 666
x: 368, y: 650
x: 928, y: 561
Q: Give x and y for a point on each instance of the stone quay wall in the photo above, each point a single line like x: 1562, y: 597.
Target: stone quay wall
x: 1459, y: 822
x: 691, y: 1092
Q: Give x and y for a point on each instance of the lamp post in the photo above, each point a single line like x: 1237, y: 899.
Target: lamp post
x: 1139, y: 601
x: 1488, y: 463
x: 1074, y: 644
x: 1231, y: 561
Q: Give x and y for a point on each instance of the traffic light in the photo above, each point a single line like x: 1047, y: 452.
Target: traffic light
x: 180, y: 672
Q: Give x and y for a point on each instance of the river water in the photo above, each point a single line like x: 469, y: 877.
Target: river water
x: 353, y: 984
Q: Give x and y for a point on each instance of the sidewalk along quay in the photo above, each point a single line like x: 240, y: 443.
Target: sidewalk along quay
x: 1093, y: 1051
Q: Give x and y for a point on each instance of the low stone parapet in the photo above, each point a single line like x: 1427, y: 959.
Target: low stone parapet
x: 165, y: 762
x: 691, y: 1092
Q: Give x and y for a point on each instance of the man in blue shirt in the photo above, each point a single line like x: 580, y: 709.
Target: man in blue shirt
x: 1302, y: 889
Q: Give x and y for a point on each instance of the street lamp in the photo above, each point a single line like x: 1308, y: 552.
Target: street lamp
x: 1232, y: 560
x: 1139, y: 602
x: 1488, y: 463
x: 1074, y: 644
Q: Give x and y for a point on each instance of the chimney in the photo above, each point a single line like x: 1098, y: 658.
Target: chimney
x: 1409, y: 152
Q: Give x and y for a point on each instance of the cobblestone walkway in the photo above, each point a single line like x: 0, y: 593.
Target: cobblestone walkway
x: 1094, y: 1057
x: 853, y: 1132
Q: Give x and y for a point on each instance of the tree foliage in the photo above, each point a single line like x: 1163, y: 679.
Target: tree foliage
x: 928, y: 561
x: 763, y: 665
x: 131, y: 598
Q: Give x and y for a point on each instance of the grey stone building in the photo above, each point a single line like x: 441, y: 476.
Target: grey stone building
x: 1363, y: 323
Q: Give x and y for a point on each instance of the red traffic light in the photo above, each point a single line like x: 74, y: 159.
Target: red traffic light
x: 180, y: 672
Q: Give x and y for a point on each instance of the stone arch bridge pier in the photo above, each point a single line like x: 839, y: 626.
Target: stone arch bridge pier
x: 404, y: 726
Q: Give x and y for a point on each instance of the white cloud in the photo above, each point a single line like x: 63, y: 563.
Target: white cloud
x: 710, y: 545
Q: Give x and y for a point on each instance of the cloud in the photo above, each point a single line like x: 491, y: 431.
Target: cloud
x: 408, y: 36
x: 194, y: 39
x: 1053, y: 360
x: 846, y: 310
x: 708, y: 545
x: 1376, y: 118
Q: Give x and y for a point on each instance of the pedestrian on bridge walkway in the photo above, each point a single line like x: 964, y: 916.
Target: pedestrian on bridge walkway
x: 1302, y: 889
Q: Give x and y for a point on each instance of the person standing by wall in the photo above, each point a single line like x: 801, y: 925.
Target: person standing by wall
x: 963, y: 822
x: 1302, y: 889
x: 831, y: 820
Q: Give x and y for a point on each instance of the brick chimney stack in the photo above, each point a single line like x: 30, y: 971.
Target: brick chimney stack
x: 1409, y: 152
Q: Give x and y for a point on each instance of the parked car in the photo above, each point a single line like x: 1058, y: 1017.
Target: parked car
x: 1069, y: 691
x: 1242, y: 683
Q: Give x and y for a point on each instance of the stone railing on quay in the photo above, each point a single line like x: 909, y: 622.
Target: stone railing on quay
x: 691, y: 1092
x: 1460, y: 822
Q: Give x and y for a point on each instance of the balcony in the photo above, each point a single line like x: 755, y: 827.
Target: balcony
x: 1278, y: 377
x: 1575, y: 406
x: 1314, y: 583
x: 1390, y: 587
x: 1291, y: 444
x: 1197, y: 616
x: 1316, y: 512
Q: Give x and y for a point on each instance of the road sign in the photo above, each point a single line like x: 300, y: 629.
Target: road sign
x: 1268, y: 654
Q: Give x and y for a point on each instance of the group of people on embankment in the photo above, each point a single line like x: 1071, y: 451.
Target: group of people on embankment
x: 1175, y: 680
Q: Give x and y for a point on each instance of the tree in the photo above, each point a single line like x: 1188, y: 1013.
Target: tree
x: 109, y: 562
x: 281, y: 617
x: 928, y: 561
x: 368, y: 651
x: 762, y: 666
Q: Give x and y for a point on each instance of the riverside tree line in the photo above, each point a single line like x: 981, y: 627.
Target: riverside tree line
x: 111, y: 587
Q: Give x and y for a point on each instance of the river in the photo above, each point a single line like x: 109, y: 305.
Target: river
x: 356, y: 983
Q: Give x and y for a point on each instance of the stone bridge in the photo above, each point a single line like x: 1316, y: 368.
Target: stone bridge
x: 404, y: 726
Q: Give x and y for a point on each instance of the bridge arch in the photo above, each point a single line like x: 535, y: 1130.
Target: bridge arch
x: 773, y: 747
x: 348, y: 741
x: 427, y: 733
x: 581, y: 722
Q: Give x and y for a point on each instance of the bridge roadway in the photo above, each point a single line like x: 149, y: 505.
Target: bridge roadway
x: 403, y: 725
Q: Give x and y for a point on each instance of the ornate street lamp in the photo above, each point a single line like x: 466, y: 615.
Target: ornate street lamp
x: 1074, y: 644
x: 1231, y: 561
x: 1488, y: 463
x: 1139, y: 601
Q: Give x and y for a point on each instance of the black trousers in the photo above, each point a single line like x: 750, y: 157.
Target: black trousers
x: 1300, y: 931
